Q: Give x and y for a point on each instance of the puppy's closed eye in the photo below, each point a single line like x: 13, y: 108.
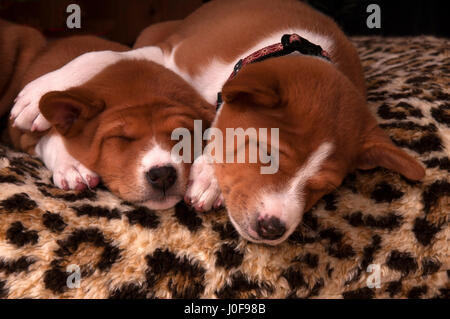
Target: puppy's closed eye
x: 121, y: 138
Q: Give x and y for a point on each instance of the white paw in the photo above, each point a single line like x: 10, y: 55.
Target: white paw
x: 68, y: 173
x: 73, y: 175
x: 26, y: 107
x: 203, y: 191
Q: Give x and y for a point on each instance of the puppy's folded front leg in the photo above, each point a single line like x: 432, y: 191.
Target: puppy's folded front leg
x: 68, y: 173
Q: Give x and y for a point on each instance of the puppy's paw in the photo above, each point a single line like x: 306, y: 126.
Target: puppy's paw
x: 25, y: 111
x: 73, y: 175
x: 203, y: 191
x: 68, y: 173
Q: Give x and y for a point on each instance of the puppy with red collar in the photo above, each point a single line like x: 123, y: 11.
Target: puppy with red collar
x: 278, y: 64
x: 115, y: 127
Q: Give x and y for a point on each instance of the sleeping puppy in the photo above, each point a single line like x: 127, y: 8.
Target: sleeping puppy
x: 280, y: 66
x: 117, y: 126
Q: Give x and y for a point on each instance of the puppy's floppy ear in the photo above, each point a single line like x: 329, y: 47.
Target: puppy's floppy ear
x: 378, y: 150
x: 68, y: 110
x: 252, y: 87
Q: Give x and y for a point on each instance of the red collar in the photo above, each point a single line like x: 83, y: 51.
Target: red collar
x: 289, y: 43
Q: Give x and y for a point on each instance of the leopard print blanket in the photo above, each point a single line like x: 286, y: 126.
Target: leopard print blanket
x: 377, y: 236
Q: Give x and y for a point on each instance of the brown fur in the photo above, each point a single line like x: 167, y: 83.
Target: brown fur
x: 156, y: 33
x: 19, y: 45
x: 207, y: 34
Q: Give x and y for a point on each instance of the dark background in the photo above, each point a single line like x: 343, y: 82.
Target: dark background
x: 122, y: 20
x: 398, y: 17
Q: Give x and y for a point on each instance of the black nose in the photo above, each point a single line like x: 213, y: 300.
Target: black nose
x: 162, y: 177
x: 270, y: 228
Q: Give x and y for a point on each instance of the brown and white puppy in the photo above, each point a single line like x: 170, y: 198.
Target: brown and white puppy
x: 118, y: 125
x: 318, y: 106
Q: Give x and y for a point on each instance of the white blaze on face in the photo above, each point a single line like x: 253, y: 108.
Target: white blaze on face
x: 156, y: 157
x: 288, y: 204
